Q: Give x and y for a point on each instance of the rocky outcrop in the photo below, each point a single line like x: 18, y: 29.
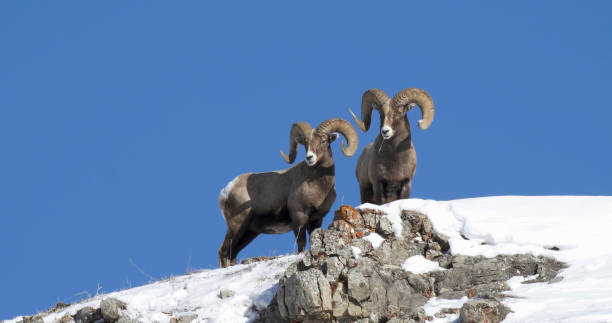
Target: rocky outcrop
x: 354, y: 271
x: 483, y: 311
x: 87, y: 315
x: 109, y: 311
x: 184, y: 319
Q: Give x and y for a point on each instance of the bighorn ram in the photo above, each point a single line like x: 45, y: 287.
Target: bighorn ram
x: 295, y: 199
x: 386, y: 167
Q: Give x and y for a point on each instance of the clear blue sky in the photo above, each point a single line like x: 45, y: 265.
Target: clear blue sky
x: 121, y: 121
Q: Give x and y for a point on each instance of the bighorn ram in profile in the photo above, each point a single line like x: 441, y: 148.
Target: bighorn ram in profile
x: 295, y: 199
x: 386, y: 167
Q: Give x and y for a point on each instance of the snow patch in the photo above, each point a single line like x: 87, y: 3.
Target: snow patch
x: 435, y: 305
x: 420, y: 265
x: 375, y: 239
x: 392, y: 212
x: 356, y: 252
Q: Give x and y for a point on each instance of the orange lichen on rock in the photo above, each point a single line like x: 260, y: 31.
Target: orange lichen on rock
x: 341, y: 225
x: 348, y: 214
x: 349, y: 220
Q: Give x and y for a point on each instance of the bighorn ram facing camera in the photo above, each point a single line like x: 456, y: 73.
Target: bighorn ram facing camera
x: 386, y: 167
x: 295, y: 199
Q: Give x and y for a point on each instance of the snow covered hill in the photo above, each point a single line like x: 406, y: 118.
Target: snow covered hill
x: 575, y: 230
x: 197, y: 293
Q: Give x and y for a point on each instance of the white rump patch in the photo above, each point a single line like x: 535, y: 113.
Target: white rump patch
x: 227, y: 189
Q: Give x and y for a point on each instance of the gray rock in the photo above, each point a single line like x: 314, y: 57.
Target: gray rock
x: 304, y: 295
x: 433, y: 254
x: 442, y: 240
x: 67, y: 318
x: 270, y: 314
x: 370, y: 220
x: 340, y: 300
x: 445, y: 261
x: 403, y: 296
x: 445, y: 312
x: 394, y: 252
x: 363, y: 245
x: 291, y: 269
x: 110, y: 309
x: 325, y: 292
x: 306, y: 261
x: 127, y: 319
x: 316, y: 243
x: 33, y: 319
x: 332, y: 268
x: 345, y: 254
x: 226, y: 293
x: 487, y: 276
x: 333, y: 245
x: 87, y: 315
x: 378, y: 292
x: 420, y: 284
x: 548, y: 269
x: 354, y: 310
x: 358, y: 285
x: 384, y: 227
x: 184, y: 319
x: 483, y: 311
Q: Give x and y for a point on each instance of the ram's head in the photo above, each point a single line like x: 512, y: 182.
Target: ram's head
x: 393, y: 111
x: 317, y: 141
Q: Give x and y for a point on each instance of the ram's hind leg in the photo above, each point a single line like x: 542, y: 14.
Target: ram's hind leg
x: 224, y: 251
x: 246, y: 238
x: 232, y: 244
x: 237, y: 225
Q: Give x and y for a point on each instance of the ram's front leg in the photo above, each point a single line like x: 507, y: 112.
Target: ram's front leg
x: 298, y: 224
x: 379, y: 193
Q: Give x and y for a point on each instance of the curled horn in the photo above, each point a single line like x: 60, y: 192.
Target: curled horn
x: 421, y: 98
x: 371, y: 99
x: 345, y: 128
x: 298, y: 129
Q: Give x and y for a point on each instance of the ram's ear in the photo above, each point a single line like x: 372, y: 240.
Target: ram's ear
x: 406, y: 107
x: 332, y: 137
